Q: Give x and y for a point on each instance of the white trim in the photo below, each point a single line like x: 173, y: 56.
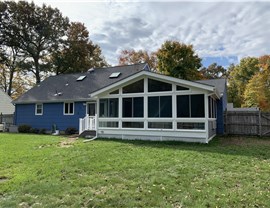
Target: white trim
x: 39, y: 114
x: 68, y: 114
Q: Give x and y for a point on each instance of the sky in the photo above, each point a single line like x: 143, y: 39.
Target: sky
x: 220, y: 31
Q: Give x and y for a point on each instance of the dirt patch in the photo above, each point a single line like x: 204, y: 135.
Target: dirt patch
x: 68, y: 142
x: 3, y: 179
x: 242, y: 141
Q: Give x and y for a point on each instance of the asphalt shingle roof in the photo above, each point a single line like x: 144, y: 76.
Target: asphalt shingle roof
x: 220, y: 84
x: 69, y: 88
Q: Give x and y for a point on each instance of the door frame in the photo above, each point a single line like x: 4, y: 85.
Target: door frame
x: 86, y: 108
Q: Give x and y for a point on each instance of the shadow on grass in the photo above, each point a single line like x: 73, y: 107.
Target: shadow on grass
x: 245, y: 146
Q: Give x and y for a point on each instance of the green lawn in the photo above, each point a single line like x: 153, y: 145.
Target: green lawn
x: 42, y: 171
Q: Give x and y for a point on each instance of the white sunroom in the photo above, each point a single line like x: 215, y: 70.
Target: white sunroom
x: 151, y: 106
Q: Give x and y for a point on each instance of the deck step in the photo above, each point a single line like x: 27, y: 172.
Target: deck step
x: 88, y: 134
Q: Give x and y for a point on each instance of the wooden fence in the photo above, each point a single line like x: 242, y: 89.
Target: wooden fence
x: 255, y: 123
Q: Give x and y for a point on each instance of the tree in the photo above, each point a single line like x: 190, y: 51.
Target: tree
x: 133, y: 57
x: 239, y: 76
x: 35, y: 31
x: 78, y: 54
x: 178, y: 60
x: 213, y: 71
x: 257, y: 92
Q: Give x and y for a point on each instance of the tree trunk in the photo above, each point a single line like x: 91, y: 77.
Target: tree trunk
x: 37, y: 72
x: 10, y: 83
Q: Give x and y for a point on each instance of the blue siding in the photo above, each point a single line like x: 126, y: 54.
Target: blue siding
x: 221, y: 107
x: 52, y: 114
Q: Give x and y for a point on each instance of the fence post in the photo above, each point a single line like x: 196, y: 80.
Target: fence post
x: 260, y: 124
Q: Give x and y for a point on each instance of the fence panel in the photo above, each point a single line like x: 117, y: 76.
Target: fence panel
x: 247, y: 123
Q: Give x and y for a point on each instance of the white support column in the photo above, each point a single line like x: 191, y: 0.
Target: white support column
x: 174, y: 107
x: 206, y: 116
x: 120, y: 109
x: 145, y: 102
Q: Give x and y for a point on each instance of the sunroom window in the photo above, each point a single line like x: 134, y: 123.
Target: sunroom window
x: 160, y: 106
x: 108, y: 107
x: 190, y: 106
x: 158, y: 86
x: 136, y: 87
x: 133, y: 107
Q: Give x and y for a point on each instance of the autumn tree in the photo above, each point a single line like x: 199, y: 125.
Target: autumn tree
x: 239, y: 77
x: 257, y: 92
x: 141, y: 56
x: 178, y: 60
x: 35, y: 31
x: 213, y: 71
x: 79, y: 53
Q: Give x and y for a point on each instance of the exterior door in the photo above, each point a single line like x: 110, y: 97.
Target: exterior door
x: 91, y: 109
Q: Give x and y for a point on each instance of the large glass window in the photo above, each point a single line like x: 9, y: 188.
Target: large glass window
x: 183, y: 109
x: 68, y: 108
x: 190, y: 106
x: 136, y: 87
x: 158, y: 86
x: 108, y: 107
x: 133, y: 107
x: 160, y: 106
x: 197, y: 105
x: 181, y: 88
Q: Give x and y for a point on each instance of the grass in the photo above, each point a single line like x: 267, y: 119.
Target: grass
x: 47, y: 171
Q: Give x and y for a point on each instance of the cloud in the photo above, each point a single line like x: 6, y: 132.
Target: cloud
x: 215, y: 29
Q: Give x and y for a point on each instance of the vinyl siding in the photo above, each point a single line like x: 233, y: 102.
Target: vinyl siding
x: 6, y: 107
x: 52, y: 114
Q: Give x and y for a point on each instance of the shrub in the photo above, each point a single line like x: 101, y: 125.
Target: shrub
x: 34, y: 130
x: 24, y: 128
x: 70, y: 130
x: 42, y: 131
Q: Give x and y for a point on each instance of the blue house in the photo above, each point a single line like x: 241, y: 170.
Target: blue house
x: 127, y: 102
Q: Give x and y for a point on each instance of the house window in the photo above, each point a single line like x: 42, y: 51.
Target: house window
x: 108, y: 107
x: 68, y: 108
x: 190, y: 106
x: 158, y: 86
x: 160, y: 107
x: 136, y: 87
x: 115, y: 92
x: 39, y: 109
x: 133, y: 107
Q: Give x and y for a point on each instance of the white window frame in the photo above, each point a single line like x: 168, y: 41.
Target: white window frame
x: 68, y: 114
x: 36, y: 113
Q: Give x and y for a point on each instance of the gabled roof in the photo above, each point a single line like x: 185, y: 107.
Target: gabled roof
x: 210, y: 88
x: 83, y: 86
x: 66, y: 87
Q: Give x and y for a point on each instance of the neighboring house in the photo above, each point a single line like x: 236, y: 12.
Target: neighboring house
x: 127, y: 102
x: 6, y: 106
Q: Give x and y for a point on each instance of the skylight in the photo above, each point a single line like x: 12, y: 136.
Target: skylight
x: 115, y: 74
x: 81, y: 78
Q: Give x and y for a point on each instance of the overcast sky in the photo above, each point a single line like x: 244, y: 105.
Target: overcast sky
x: 219, y: 31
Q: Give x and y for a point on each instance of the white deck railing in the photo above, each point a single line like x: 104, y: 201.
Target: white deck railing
x: 88, y: 123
